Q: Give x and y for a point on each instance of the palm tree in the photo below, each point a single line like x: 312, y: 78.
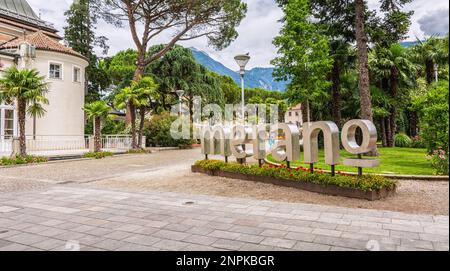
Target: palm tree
x: 430, y: 53
x: 363, y: 68
x: 146, y: 89
x: 27, y: 88
x: 97, y: 111
x: 392, y: 67
x: 128, y: 98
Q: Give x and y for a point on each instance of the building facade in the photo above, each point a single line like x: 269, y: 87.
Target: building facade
x: 30, y: 43
x: 294, y: 115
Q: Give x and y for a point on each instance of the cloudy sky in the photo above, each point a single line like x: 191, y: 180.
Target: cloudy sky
x: 256, y: 31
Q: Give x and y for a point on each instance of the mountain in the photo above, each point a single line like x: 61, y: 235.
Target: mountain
x: 254, y: 78
x: 407, y: 44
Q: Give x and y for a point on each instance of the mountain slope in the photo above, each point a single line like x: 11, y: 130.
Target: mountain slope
x: 254, y: 78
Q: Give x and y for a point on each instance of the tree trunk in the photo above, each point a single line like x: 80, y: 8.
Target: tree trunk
x: 97, y: 134
x: 414, y: 124
x: 383, y: 132
x: 336, y: 89
x: 363, y: 59
x: 394, y: 94
x: 133, y: 125
x: 191, y: 110
x: 393, y: 126
x: 389, y: 137
x: 22, y: 116
x: 363, y: 65
x: 304, y: 112
x: 138, y: 73
x: 141, y: 125
x: 429, y: 69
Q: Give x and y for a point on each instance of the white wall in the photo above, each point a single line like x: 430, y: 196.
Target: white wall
x: 64, y: 114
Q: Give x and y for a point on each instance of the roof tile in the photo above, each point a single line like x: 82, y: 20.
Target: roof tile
x: 42, y: 42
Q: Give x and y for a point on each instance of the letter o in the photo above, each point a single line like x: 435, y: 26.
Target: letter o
x: 369, y: 135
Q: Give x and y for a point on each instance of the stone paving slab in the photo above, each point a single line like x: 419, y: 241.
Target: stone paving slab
x: 77, y: 218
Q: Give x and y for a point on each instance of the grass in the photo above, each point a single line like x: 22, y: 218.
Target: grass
x: 401, y: 161
x: 98, y: 155
x: 22, y: 160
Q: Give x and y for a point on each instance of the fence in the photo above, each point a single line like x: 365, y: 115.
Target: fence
x: 67, y: 143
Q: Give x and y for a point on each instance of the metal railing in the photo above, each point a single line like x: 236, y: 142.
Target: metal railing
x: 57, y: 142
x: 6, y: 144
x: 68, y: 142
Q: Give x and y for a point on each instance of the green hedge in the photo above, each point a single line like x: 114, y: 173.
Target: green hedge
x: 364, y: 183
x: 22, y: 160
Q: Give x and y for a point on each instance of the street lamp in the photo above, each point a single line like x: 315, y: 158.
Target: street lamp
x: 180, y: 94
x: 242, y: 61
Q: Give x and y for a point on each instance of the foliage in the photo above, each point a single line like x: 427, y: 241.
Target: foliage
x: 304, y: 55
x: 138, y: 151
x: 417, y: 142
x: 21, y: 160
x: 434, y: 116
x: 403, y: 141
x: 440, y: 161
x: 80, y: 34
x: 157, y: 132
x: 430, y: 52
x: 98, y: 155
x: 28, y: 89
x: 97, y: 109
x: 110, y: 126
x: 178, y: 70
x: 27, y: 86
x: 365, y: 183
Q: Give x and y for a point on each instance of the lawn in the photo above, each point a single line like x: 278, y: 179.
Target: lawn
x: 402, y: 161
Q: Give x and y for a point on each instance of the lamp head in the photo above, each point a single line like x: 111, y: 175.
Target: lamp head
x: 180, y: 93
x: 242, y: 61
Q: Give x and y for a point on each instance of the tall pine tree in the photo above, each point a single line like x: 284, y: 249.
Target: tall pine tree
x: 80, y: 35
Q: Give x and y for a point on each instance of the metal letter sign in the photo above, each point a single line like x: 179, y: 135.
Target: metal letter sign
x: 229, y: 141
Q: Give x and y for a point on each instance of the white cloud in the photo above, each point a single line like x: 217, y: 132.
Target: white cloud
x: 256, y: 31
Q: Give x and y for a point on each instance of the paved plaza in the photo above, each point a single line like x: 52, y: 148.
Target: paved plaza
x: 58, y: 207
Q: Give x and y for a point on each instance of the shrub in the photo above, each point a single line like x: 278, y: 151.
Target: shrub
x: 110, y: 126
x: 364, y: 183
x: 98, y: 155
x: 157, y: 132
x: 417, y: 143
x: 434, y: 117
x: 22, y: 160
x: 403, y: 141
x: 439, y: 160
x: 138, y: 151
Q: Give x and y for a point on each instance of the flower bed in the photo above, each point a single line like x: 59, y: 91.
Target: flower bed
x: 365, y: 187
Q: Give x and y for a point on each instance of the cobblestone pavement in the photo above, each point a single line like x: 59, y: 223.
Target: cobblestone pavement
x: 61, y: 218
x: 58, y: 211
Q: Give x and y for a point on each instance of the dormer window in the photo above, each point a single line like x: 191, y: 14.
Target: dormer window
x: 55, y: 71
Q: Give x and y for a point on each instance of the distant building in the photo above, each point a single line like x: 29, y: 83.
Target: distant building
x: 294, y: 115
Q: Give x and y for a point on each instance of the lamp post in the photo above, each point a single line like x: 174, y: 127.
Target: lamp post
x: 180, y: 94
x: 242, y: 61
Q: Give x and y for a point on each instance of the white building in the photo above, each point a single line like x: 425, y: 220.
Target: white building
x: 294, y: 115
x: 28, y: 42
